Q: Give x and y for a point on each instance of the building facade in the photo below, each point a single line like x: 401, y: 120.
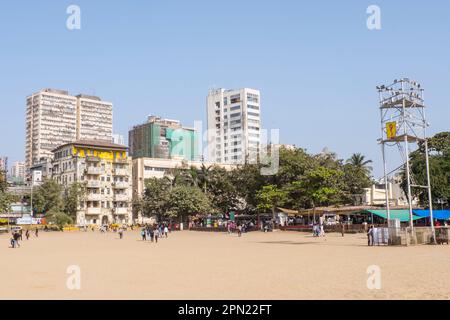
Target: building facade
x: 103, y: 170
x: 54, y: 117
x: 18, y: 171
x: 234, y: 125
x: 163, y: 139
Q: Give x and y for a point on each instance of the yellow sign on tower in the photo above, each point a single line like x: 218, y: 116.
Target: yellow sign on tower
x: 391, y: 129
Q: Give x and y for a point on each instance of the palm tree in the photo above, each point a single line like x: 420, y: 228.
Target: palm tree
x: 359, y: 161
x: 204, y: 176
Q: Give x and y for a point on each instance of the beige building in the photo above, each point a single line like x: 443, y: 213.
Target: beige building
x: 376, y: 195
x: 54, y: 117
x: 103, y: 169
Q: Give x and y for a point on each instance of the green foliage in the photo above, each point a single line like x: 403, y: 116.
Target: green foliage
x: 5, y: 197
x: 48, y: 196
x: 270, y: 197
x: 58, y: 218
x: 439, y: 156
x: 302, y: 181
x: 187, y: 200
x: 155, y: 197
x: 72, y: 196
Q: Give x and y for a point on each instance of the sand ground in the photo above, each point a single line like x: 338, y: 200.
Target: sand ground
x: 196, y: 265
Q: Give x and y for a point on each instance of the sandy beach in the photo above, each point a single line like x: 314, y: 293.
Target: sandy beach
x: 196, y: 265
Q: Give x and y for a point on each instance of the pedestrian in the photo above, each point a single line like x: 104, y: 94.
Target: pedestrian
x: 36, y: 232
x: 16, y: 237
x: 166, y: 231
x: 156, y: 235
x: 239, y: 230
x: 27, y: 234
x: 21, y: 234
x: 342, y: 228
x: 152, y: 234
x: 120, y: 233
x: 370, y: 236
x: 143, y: 234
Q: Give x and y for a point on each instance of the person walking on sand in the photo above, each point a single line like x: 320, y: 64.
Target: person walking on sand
x: 342, y: 228
x: 370, y: 236
x: 157, y: 234
x: 239, y: 230
x: 144, y: 234
x: 166, y: 231
x: 27, y: 234
x: 16, y: 237
x: 36, y: 232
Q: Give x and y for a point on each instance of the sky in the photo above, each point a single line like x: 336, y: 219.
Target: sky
x: 315, y: 62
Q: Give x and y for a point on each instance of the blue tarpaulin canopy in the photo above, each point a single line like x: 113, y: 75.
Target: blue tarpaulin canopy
x: 437, y: 214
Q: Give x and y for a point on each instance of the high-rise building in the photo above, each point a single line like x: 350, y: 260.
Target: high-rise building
x: 234, y: 125
x: 118, y: 139
x: 163, y: 139
x: 18, y: 171
x: 103, y: 170
x: 94, y: 118
x: 3, y: 163
x: 54, y: 117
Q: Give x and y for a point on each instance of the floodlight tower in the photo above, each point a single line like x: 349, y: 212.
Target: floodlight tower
x: 403, y: 123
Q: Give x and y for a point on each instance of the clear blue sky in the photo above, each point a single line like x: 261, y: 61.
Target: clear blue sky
x: 315, y: 62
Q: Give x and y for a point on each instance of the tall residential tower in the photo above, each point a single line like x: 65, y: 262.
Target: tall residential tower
x: 54, y: 117
x: 234, y: 125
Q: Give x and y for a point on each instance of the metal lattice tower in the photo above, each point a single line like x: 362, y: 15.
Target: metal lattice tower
x: 403, y: 124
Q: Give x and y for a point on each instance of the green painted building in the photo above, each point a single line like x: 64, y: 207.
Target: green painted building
x: 163, y: 138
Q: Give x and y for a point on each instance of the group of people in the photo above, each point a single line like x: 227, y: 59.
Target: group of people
x: 17, y: 235
x: 155, y: 232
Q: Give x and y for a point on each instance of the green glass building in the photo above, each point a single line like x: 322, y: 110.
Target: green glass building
x: 163, y: 138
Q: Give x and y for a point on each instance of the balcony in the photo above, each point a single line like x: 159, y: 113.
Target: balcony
x: 121, y: 197
x: 119, y: 160
x: 94, y: 210
x: 121, y: 210
x: 121, y: 172
x: 92, y: 159
x: 94, y: 170
x: 94, y: 197
x: 93, y: 184
x: 121, y: 185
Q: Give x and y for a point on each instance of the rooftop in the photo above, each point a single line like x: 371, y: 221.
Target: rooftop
x: 95, y: 144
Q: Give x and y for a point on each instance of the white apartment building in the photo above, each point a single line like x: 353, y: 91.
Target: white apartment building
x: 18, y: 170
x: 94, y: 118
x: 234, y: 125
x: 54, y: 117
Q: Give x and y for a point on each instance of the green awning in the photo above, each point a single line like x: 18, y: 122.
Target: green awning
x: 402, y: 215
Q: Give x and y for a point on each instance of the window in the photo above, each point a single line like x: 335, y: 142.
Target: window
x: 253, y: 114
x: 253, y: 107
x: 225, y: 101
x: 238, y: 107
x: 252, y: 97
x: 235, y: 98
x: 234, y: 115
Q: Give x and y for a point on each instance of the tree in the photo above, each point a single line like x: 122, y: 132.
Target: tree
x: 48, y: 196
x: 154, y: 200
x: 439, y: 159
x: 5, y: 197
x: 359, y: 161
x: 221, y: 190
x: 187, y: 200
x: 72, y: 196
x: 58, y: 218
x: 270, y: 197
x: 322, y: 186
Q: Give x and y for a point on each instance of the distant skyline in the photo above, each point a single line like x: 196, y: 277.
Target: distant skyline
x: 315, y: 63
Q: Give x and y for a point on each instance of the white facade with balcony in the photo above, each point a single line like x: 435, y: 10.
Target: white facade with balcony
x: 234, y: 125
